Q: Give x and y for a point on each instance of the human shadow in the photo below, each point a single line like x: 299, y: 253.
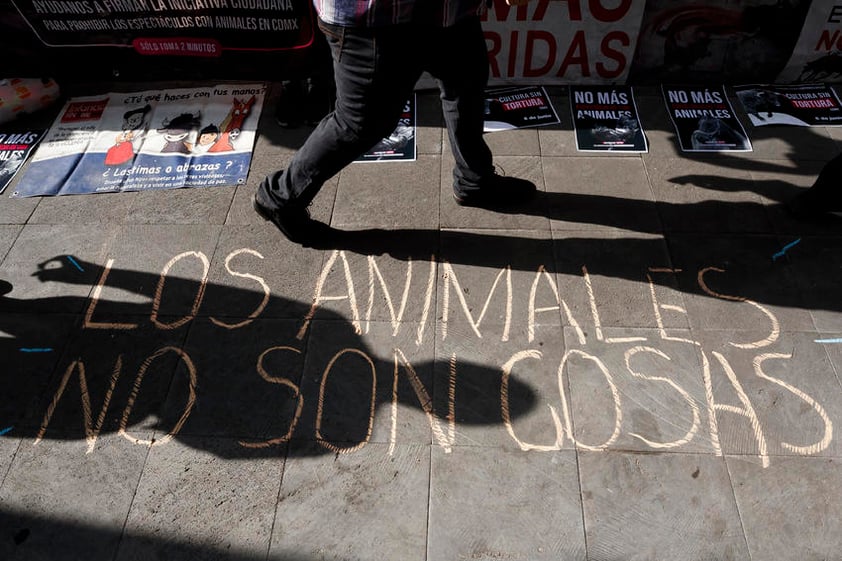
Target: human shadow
x: 249, y: 375
x: 733, y: 240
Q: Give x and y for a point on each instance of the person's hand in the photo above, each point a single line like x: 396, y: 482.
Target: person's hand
x: 517, y: 2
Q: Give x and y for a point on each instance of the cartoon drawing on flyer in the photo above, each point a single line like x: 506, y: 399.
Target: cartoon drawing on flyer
x: 232, y: 125
x: 207, y: 138
x: 135, y: 122
x: 177, y: 133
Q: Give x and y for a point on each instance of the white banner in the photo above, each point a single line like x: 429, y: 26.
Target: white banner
x: 552, y: 42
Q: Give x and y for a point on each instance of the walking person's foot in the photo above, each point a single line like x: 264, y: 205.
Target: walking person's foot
x: 497, y: 192
x: 294, y: 222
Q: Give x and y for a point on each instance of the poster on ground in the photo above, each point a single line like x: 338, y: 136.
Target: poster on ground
x: 401, y: 144
x: 517, y: 108
x: 605, y: 119
x: 704, y: 119
x: 157, y: 139
x: 15, y: 148
x: 804, y: 105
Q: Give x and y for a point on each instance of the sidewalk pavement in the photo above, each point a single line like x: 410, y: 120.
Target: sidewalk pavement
x: 627, y: 369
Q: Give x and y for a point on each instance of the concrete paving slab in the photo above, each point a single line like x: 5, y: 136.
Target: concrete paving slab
x: 789, y: 510
x: 635, y: 390
x: 258, y: 273
x: 375, y: 274
x: 109, y: 380
x: 816, y: 263
x: 194, y: 494
x: 46, y: 267
x: 388, y: 195
x: 181, y: 206
x: 615, y: 279
x: 367, y: 505
x: 16, y: 211
x: 772, y: 399
x: 55, y: 486
x: 157, y: 270
x: 733, y: 282
x: 659, y: 506
x: 371, y: 386
x: 499, y: 390
x: 237, y: 383
x: 529, y: 216
x: 8, y: 235
x: 487, y: 503
x: 598, y: 193
x: 111, y: 209
x: 706, y: 196
x: 8, y: 447
x: 519, y: 142
x: 794, y: 143
x: 32, y: 347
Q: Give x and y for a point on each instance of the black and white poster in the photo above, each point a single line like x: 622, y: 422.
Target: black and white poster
x: 400, y: 145
x: 704, y: 119
x: 15, y: 148
x: 803, y: 105
x: 517, y: 108
x: 605, y: 119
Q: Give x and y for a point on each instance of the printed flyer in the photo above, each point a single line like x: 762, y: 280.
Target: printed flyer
x: 802, y: 105
x: 704, y: 120
x: 398, y: 146
x: 15, y: 148
x: 605, y: 119
x: 197, y: 137
x: 517, y: 108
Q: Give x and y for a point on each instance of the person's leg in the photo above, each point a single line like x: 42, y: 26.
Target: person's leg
x: 458, y: 59
x: 374, y: 73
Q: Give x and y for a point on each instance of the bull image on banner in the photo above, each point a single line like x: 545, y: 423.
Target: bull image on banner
x: 817, y: 57
x: 198, y: 137
x: 687, y: 41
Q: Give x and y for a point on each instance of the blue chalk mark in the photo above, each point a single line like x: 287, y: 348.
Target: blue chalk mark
x: 75, y: 264
x: 36, y: 350
x: 839, y: 340
x: 785, y: 248
x: 7, y: 430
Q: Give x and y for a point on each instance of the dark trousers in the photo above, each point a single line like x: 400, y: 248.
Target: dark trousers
x: 376, y: 71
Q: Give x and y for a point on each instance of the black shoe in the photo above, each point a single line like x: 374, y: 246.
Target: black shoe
x: 498, y: 191
x: 294, y: 222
